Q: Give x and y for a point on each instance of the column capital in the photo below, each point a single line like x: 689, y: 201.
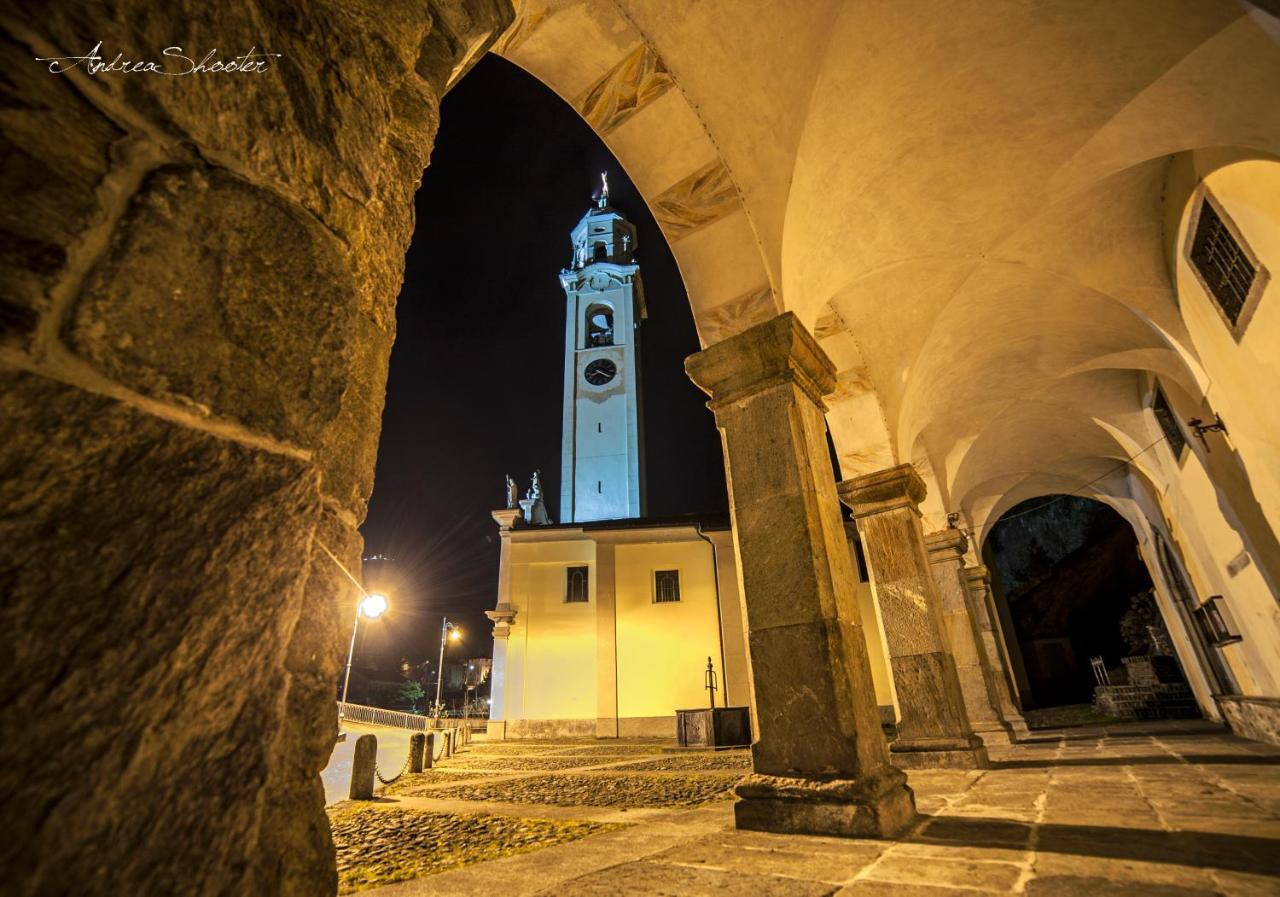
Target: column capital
x: 946, y: 545
x: 502, y: 616
x: 506, y: 518
x: 884, y: 490
x: 778, y: 351
x: 977, y: 577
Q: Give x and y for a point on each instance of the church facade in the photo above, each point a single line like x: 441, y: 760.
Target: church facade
x: 606, y: 621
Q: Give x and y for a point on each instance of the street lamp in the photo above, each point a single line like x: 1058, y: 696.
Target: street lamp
x: 447, y: 631
x: 372, y: 607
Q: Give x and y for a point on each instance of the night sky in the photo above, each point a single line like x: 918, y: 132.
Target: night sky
x: 476, y: 382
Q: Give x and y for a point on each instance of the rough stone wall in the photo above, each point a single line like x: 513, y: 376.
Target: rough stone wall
x: 1251, y: 717
x: 197, y: 288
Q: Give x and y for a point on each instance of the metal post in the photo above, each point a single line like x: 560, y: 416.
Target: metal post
x: 346, y: 680
x: 444, y: 631
x: 711, y: 682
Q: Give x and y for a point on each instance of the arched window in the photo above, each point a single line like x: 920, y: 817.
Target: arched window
x: 600, y: 253
x: 575, y: 585
x: 599, y: 326
x: 666, y: 586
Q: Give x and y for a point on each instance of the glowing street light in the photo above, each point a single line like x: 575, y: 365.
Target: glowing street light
x: 371, y: 606
x: 374, y: 606
x: 447, y: 632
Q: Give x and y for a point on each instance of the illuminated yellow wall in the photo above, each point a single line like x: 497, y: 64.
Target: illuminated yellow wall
x: 1243, y: 380
x: 568, y: 665
x: 551, y: 653
x: 663, y: 648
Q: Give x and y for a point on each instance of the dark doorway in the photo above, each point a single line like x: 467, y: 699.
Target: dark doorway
x: 1065, y: 573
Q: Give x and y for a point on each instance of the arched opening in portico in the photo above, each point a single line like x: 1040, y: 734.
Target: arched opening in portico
x: 1072, y: 592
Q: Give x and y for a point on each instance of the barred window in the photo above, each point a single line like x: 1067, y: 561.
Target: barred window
x: 575, y: 585
x: 1168, y: 423
x: 1222, y: 263
x: 666, y: 586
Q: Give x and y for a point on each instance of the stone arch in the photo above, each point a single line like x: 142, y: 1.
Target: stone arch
x: 623, y: 88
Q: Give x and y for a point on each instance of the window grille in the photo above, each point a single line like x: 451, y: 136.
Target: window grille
x: 575, y: 586
x: 1221, y: 262
x: 666, y: 586
x: 1168, y: 423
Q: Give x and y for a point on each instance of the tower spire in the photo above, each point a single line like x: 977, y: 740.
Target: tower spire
x: 603, y: 202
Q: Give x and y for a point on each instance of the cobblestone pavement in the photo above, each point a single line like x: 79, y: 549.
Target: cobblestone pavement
x: 1177, y: 809
x: 603, y: 790
x: 739, y: 761
x: 381, y: 846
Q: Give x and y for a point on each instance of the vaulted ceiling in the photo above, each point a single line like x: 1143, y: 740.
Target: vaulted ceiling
x: 973, y: 210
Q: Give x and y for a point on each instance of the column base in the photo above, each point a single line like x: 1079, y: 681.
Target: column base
x: 876, y: 806
x: 993, y: 734
x: 939, y: 753
x: 1018, y: 726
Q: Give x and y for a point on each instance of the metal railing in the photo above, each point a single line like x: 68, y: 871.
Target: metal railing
x: 376, y: 716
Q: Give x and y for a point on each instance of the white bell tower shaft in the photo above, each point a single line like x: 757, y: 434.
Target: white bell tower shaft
x: 602, y: 468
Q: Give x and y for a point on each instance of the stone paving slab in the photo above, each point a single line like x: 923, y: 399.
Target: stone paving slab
x: 645, y: 877
x: 538, y: 763
x: 1117, y: 811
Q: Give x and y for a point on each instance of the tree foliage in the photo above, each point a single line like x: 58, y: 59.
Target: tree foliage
x: 411, y: 692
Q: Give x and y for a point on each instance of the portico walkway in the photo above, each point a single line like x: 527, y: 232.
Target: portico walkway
x: 1170, y: 809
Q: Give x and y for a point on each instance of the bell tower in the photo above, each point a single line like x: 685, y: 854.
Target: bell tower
x: 602, y: 468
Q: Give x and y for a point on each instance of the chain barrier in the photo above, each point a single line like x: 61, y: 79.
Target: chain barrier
x: 395, y: 778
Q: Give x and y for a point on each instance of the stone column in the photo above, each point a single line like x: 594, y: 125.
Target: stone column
x: 946, y: 558
x: 934, y: 730
x: 977, y: 581
x: 200, y: 282
x: 502, y: 616
x: 820, y: 764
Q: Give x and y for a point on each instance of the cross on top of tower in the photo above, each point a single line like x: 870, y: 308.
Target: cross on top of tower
x: 603, y: 202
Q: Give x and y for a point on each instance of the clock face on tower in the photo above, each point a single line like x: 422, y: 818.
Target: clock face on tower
x: 600, y: 371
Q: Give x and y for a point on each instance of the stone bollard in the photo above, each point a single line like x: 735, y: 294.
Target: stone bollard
x: 417, y: 744
x: 362, y: 767
x: 429, y: 755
